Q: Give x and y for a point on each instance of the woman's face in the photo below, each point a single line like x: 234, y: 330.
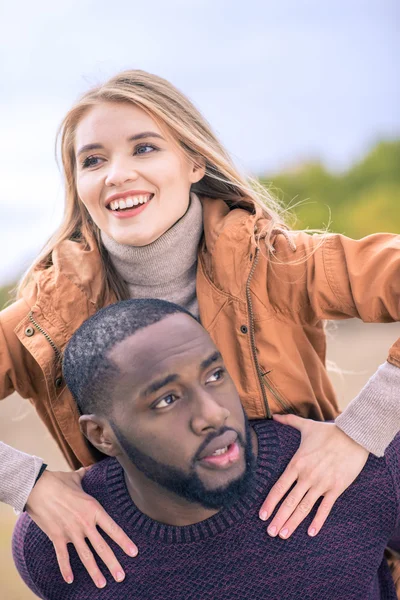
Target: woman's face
x: 133, y: 179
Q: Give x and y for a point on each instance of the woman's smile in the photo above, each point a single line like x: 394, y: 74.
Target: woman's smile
x: 128, y: 204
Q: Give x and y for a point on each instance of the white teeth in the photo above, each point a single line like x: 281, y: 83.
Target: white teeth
x: 129, y: 202
x: 221, y: 451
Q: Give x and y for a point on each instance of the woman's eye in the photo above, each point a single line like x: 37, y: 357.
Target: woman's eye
x: 145, y: 149
x: 217, y: 375
x: 166, y: 401
x: 90, y: 161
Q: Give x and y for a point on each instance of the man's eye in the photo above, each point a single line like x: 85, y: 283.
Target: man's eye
x: 90, y: 161
x: 217, y: 375
x: 166, y: 401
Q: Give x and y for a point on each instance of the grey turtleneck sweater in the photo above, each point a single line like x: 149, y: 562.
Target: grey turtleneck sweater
x: 166, y: 268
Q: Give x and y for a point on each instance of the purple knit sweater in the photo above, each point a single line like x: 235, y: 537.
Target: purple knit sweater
x: 230, y: 555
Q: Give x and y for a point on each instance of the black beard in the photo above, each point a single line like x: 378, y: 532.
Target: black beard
x: 190, y: 486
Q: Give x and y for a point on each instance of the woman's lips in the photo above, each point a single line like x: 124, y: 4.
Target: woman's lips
x: 128, y: 213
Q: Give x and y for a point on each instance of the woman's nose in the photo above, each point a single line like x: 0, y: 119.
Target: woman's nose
x: 119, y: 172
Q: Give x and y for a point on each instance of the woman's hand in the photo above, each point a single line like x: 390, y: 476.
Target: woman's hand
x: 325, y: 464
x: 60, y: 507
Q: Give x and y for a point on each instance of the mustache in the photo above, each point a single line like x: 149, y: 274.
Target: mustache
x: 212, y: 436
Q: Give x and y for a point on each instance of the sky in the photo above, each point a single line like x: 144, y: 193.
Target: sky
x: 280, y: 82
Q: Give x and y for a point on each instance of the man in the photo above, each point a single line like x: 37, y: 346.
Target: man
x: 187, y: 476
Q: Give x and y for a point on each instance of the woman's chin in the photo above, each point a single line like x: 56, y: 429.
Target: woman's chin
x: 133, y: 238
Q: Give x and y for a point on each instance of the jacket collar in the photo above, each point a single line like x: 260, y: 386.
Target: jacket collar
x: 77, y: 266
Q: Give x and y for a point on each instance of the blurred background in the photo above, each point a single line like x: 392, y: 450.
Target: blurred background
x: 304, y: 94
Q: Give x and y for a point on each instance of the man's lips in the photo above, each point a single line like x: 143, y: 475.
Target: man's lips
x: 231, y: 455
x: 222, y: 441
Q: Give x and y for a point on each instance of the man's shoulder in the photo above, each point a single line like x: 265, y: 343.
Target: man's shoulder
x: 33, y: 551
x: 94, y: 481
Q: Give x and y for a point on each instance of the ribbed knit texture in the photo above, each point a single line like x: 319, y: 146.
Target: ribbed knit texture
x: 373, y: 418
x: 18, y: 472
x: 165, y: 269
x: 230, y: 556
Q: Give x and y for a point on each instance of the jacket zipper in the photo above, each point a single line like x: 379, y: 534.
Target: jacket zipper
x: 288, y: 408
x: 46, y: 335
x: 262, y: 376
x: 252, y: 336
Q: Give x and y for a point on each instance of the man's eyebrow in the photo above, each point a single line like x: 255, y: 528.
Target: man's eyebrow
x: 159, y: 383
x: 132, y: 138
x: 216, y: 356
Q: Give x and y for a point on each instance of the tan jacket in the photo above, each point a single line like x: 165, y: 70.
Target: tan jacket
x: 264, y: 313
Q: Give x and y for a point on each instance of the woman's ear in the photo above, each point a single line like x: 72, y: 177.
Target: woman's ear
x: 99, y: 434
x: 198, y: 169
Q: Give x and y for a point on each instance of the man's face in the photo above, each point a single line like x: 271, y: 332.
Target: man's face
x: 177, y: 415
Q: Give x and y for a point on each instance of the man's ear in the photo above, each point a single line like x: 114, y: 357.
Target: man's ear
x: 99, y: 434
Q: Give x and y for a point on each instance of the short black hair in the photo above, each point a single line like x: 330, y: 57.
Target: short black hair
x: 88, y: 371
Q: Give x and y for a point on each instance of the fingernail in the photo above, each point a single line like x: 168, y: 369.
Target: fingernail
x: 101, y: 583
x: 263, y: 515
x: 69, y: 579
x: 272, y: 530
x: 284, y: 532
x: 132, y: 551
x: 120, y: 576
x: 312, y: 531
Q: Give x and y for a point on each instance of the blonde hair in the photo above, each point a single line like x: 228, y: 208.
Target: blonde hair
x: 171, y: 109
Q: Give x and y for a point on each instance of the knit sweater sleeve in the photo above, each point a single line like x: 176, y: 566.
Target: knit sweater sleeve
x: 373, y: 418
x: 18, y: 472
x: 18, y: 551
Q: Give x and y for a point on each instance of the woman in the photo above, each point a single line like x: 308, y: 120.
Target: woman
x: 154, y: 207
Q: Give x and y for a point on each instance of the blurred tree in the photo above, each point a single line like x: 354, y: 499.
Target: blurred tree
x: 363, y: 200
x: 6, y: 295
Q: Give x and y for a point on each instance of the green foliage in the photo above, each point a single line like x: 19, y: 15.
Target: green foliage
x: 6, y: 295
x: 363, y: 200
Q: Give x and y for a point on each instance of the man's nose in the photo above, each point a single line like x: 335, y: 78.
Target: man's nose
x: 120, y: 171
x: 208, y: 414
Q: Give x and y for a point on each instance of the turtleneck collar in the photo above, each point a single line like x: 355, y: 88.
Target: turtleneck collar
x: 166, y: 268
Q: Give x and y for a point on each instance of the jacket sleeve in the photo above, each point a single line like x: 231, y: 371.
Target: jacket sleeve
x: 18, y: 369
x: 339, y: 278
x: 334, y: 277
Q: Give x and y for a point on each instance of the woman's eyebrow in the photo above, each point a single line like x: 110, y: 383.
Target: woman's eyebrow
x: 145, y: 134
x: 132, y: 138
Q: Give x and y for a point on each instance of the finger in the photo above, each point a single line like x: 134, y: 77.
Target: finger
x: 303, y: 509
x: 291, y: 420
x: 117, y: 534
x: 64, y: 565
x: 322, y: 513
x: 278, y: 490
x: 289, y: 505
x: 89, y: 563
x: 107, y: 555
